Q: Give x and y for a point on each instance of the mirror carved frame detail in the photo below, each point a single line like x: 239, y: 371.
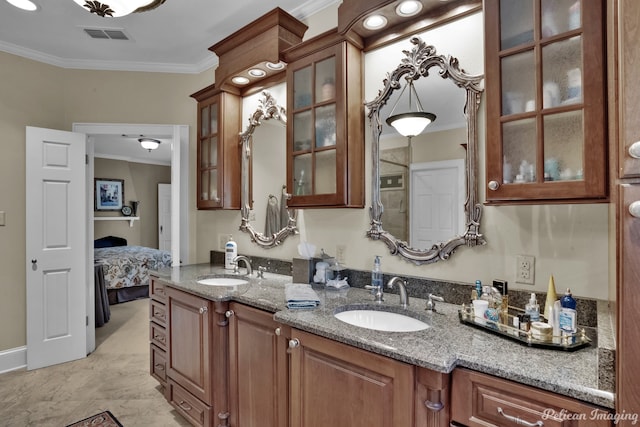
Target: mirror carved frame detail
x: 267, y: 109
x: 416, y: 64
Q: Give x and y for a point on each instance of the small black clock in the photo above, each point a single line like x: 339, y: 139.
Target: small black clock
x: 126, y: 210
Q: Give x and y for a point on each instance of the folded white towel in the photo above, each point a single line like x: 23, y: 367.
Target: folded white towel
x: 300, y: 295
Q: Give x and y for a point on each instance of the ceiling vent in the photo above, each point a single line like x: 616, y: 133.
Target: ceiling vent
x: 110, y: 34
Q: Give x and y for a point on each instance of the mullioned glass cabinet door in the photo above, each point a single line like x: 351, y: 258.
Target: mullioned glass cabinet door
x: 545, y: 100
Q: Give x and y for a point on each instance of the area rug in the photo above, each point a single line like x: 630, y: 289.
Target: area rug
x: 103, y: 419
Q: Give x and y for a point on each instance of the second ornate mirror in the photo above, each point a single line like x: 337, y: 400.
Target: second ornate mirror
x: 264, y: 174
x: 428, y: 181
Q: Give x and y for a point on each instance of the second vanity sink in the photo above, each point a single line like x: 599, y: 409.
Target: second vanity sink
x: 222, y: 281
x: 381, y: 320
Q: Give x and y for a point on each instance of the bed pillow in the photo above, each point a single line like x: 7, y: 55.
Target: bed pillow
x: 109, y: 241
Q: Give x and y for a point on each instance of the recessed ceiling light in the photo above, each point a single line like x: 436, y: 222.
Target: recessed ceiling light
x: 23, y: 4
x: 409, y: 8
x: 257, y: 72
x: 375, y: 22
x: 240, y: 80
x: 275, y: 65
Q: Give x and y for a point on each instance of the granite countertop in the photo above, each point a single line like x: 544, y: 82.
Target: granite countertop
x: 445, y: 345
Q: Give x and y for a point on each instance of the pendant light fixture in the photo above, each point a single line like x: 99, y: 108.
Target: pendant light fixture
x: 149, y: 143
x: 116, y: 8
x: 414, y: 122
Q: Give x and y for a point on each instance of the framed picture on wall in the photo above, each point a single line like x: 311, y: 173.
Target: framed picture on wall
x: 109, y: 194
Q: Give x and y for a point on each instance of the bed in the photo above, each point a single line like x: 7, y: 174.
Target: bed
x: 126, y: 268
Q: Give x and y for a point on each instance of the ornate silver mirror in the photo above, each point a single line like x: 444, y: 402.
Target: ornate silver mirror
x: 263, y: 175
x: 435, y: 201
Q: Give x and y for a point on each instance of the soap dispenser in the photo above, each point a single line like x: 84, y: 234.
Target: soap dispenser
x: 230, y: 253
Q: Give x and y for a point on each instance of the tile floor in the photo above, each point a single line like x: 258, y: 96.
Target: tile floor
x: 114, y: 377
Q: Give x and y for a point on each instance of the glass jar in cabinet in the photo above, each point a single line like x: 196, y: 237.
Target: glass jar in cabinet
x: 545, y: 85
x: 325, y: 144
x: 218, y: 157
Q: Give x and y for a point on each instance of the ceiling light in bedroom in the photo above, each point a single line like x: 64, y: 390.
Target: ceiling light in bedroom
x: 23, y: 4
x: 116, y: 8
x: 149, y: 143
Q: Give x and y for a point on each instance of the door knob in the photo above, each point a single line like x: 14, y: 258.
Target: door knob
x: 229, y: 313
x: 493, y: 185
x: 634, y: 150
x: 294, y: 343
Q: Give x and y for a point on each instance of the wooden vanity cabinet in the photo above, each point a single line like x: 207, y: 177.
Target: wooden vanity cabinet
x: 197, y: 358
x: 483, y: 400
x: 218, y: 152
x: 334, y: 384
x: 325, y: 122
x: 258, y: 369
x: 158, y: 332
x: 546, y: 139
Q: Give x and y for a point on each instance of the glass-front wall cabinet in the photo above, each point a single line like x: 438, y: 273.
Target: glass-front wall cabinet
x: 546, y: 137
x: 218, y: 158
x: 324, y: 135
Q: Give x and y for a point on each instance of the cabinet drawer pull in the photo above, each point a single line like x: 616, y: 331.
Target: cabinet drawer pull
x: 278, y: 331
x: 159, y: 366
x: 433, y: 406
x: 159, y: 338
x: 229, y: 313
x: 184, y: 405
x: 202, y: 310
x: 294, y: 343
x: 634, y: 150
x: 493, y: 185
x: 634, y: 209
x: 518, y: 420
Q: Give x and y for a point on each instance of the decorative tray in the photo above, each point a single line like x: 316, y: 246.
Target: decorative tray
x: 570, y: 342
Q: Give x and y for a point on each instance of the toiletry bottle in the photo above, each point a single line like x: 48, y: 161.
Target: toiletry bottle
x: 533, y: 309
x: 552, y: 297
x: 230, y: 252
x: 568, y: 314
x: 376, y: 275
x: 478, y: 288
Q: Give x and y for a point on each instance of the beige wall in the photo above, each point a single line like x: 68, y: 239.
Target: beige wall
x: 569, y: 241
x: 140, y: 183
x: 36, y: 94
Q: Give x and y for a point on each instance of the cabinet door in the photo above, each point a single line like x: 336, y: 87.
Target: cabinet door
x: 546, y: 124
x: 628, y: 352
x: 190, y: 354
x: 325, y: 144
x: 218, y: 159
x: 257, y: 369
x: 334, y: 384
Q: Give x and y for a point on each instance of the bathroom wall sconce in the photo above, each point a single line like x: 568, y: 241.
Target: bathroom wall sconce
x: 411, y: 123
x: 27, y: 5
x: 149, y: 143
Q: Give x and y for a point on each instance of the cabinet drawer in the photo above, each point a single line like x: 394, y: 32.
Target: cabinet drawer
x: 158, y: 335
x: 158, y: 364
x: 157, y: 290
x: 158, y: 312
x: 483, y: 400
x: 196, y: 412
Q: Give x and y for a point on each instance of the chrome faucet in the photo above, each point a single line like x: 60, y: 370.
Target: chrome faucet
x: 378, y: 296
x: 402, y: 286
x: 431, y: 305
x: 247, y: 262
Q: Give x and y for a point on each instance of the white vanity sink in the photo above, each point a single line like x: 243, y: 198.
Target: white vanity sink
x: 381, y: 320
x: 222, y: 281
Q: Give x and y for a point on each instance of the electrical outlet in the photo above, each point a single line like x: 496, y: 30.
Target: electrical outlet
x: 525, y: 269
x: 341, y: 253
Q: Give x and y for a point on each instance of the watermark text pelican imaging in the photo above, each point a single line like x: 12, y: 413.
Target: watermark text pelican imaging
x: 595, y: 414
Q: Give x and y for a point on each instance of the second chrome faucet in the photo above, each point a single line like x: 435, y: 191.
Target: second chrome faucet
x: 402, y: 285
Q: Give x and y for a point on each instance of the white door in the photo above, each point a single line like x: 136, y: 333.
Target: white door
x: 164, y: 217
x: 437, y: 202
x: 55, y: 256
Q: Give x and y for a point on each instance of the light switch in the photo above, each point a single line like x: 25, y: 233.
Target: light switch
x: 1, y: 218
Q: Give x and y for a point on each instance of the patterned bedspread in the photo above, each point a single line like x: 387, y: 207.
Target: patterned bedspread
x: 127, y: 266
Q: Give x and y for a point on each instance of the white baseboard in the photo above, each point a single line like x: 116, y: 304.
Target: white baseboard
x: 13, y: 359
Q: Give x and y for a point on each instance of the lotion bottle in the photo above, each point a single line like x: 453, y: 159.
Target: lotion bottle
x: 230, y: 253
x: 568, y: 314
